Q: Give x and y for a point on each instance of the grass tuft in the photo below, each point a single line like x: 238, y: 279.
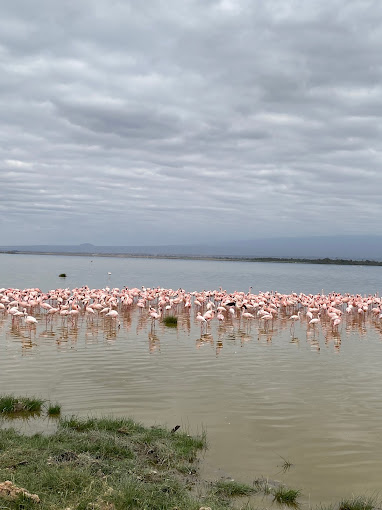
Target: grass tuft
x: 171, y: 321
x: 285, y: 495
x: 107, y: 464
x: 357, y: 503
x: 233, y: 488
x: 9, y: 404
x: 124, y: 426
x: 286, y: 465
x: 262, y: 485
x: 62, y: 275
x: 54, y: 409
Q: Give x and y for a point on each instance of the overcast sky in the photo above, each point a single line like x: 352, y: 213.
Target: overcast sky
x: 168, y: 121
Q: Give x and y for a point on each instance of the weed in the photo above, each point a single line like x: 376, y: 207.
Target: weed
x: 10, y: 404
x: 262, y: 485
x: 170, y: 321
x: 54, y: 409
x: 357, y: 503
x: 285, y: 495
x: 286, y: 465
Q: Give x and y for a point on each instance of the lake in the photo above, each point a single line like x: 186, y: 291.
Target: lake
x: 263, y: 393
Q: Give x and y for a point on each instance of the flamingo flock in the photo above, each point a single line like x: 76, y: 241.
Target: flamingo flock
x: 244, y: 309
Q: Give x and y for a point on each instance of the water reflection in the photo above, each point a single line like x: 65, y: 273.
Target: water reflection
x: 205, y: 340
x: 229, y: 324
x: 154, y: 342
x: 277, y: 378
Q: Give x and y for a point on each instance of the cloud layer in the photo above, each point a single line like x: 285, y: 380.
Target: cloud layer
x: 161, y: 122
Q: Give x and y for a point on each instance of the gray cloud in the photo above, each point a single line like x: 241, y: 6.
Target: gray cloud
x: 193, y: 121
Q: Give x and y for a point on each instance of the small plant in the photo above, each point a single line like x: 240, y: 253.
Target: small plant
x: 232, y: 488
x: 32, y: 405
x: 54, y: 409
x: 357, y: 503
x: 286, y: 496
x: 286, y: 465
x: 262, y: 485
x: 6, y: 404
x: 62, y: 275
x: 10, y: 404
x: 171, y: 321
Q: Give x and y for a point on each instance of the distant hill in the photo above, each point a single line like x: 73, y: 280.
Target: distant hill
x: 344, y: 247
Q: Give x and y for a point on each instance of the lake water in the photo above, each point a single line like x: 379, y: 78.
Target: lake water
x: 262, y: 394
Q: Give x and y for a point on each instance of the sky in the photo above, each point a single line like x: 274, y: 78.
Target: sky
x: 195, y: 121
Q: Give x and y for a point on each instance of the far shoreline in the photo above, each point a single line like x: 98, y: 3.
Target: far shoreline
x: 282, y: 260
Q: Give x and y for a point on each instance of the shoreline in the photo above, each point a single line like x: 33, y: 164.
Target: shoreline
x: 114, y: 463
x: 282, y: 260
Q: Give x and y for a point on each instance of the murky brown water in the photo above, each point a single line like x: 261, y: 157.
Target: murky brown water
x: 261, y: 394
x: 313, y: 398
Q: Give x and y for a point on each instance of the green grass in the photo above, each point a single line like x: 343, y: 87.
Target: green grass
x: 159, y: 445
x: 105, y: 464
x: 9, y: 404
x: 285, y: 495
x: 125, y: 426
x: 118, y: 464
x: 54, y: 409
x: 170, y: 321
x: 357, y: 503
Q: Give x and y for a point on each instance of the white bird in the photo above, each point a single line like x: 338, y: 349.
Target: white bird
x: 112, y: 313
x: 220, y: 317
x: 201, y: 319
x: 29, y: 319
x: 295, y: 317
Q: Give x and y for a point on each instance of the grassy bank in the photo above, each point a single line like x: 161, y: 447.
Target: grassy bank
x: 103, y: 463
x: 115, y: 464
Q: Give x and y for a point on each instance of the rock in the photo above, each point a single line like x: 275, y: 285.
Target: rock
x: 12, y: 492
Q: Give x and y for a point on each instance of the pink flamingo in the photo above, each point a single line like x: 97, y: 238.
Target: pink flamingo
x: 201, y: 319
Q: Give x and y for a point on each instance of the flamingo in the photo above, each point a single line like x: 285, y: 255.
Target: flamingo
x: 112, y: 313
x: 29, y: 319
x: 209, y: 315
x: 295, y: 318
x: 220, y: 317
x: 201, y: 319
x: 155, y: 316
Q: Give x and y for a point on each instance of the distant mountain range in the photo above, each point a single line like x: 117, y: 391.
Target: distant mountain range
x: 344, y: 247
